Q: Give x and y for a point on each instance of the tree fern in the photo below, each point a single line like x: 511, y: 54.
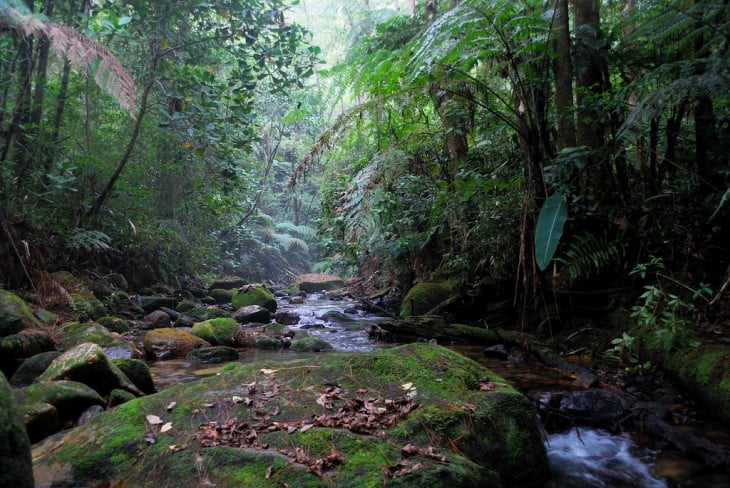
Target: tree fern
x: 82, y: 52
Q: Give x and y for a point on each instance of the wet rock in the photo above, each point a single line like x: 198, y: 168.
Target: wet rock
x: 26, y: 343
x: 117, y: 397
x: 85, y: 306
x: 587, y: 380
x: 138, y: 373
x: 312, y: 326
x: 335, y: 316
x: 171, y: 343
x: 256, y: 294
x: 268, y: 343
x: 93, y: 411
x: 32, y: 368
x: 296, y: 300
x: 40, y: 420
x: 228, y: 283
x: 312, y: 282
x: 252, y: 313
x: 310, y: 344
x: 87, y: 363
x: 17, y: 468
x: 150, y: 303
x: 216, y: 354
x: 286, y: 317
x: 156, y: 319
x: 217, y: 332
x: 114, y: 324
x: 186, y: 306
x: 498, y: 351
x: 487, y: 436
x: 220, y: 295
x: 422, y: 298
x: 112, y: 345
x: 601, y: 408
x: 69, y: 398
x: 15, y: 315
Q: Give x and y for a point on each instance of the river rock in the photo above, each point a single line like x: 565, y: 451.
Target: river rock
x: 112, y: 344
x: 230, y: 282
x: 416, y: 415
x: 32, y: 368
x: 221, y: 296
x: 599, y: 407
x: 156, y: 319
x: 15, y: 315
x: 114, y: 324
x: 26, y: 343
x: 310, y: 344
x: 313, y: 282
x: 40, y: 420
x: 87, y: 363
x: 138, y: 373
x: 217, y: 332
x: 422, y: 298
x: 252, y: 313
x: 335, y: 316
x: 150, y: 303
x: 256, y: 294
x: 216, y: 354
x: 171, y: 343
x: 287, y: 317
x: 17, y: 469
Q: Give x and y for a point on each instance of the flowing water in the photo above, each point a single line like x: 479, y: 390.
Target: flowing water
x: 579, y: 458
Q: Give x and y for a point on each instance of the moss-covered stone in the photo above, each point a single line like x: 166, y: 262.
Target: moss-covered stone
x: 313, y: 282
x: 69, y: 398
x: 217, y: 354
x: 488, y: 436
x: 15, y: 315
x: 32, y: 368
x: 220, y: 295
x: 705, y: 372
x: 186, y: 306
x: 87, y: 363
x: 17, y: 469
x: 117, y: 397
x: 200, y: 314
x: 254, y: 295
x: 422, y: 298
x: 218, y: 332
x: 85, y: 306
x: 26, y: 343
x: 310, y: 344
x: 114, y: 346
x: 138, y: 373
x: 40, y: 420
x: 169, y: 343
x: 114, y: 324
x: 228, y: 283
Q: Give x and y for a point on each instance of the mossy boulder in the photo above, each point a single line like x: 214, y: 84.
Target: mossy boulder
x: 453, y: 423
x: 15, y: 315
x: 87, y: 363
x: 199, y: 314
x: 117, y: 397
x: 228, y: 283
x: 315, y: 282
x: 171, y: 343
x: 310, y: 344
x: 114, y: 324
x: 218, y: 332
x: 423, y: 297
x: 705, y: 372
x: 85, y: 306
x: 216, y: 354
x: 252, y: 313
x: 220, y: 295
x: 113, y: 346
x: 32, y: 368
x: 17, y: 468
x: 17, y: 347
x: 69, y: 398
x: 138, y: 373
x: 254, y: 295
x: 40, y: 420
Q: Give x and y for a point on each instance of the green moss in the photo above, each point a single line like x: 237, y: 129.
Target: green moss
x: 15, y: 314
x: 423, y: 297
x: 220, y: 331
x: 254, y: 295
x: 114, y: 324
x: 311, y: 344
x: 229, y: 367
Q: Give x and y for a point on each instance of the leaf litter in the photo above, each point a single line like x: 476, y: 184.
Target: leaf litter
x: 361, y: 415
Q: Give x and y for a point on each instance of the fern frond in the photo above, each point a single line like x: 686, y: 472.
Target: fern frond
x: 82, y: 52
x: 300, y: 231
x: 590, y: 254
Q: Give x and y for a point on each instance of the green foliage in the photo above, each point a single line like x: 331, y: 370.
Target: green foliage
x: 590, y: 253
x: 549, y: 229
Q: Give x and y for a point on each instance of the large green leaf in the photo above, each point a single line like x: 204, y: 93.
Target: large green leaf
x: 549, y: 229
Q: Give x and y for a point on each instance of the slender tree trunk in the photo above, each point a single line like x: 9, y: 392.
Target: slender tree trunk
x: 588, y: 71
x: 563, y: 73
x: 704, y: 116
x: 44, y: 47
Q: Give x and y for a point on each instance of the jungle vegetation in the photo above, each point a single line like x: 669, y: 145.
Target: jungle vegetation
x: 524, y: 151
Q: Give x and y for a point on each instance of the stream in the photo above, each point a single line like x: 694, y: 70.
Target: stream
x: 581, y: 457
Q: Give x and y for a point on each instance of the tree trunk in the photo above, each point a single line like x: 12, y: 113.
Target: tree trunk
x: 588, y: 72
x: 563, y: 73
x: 44, y: 47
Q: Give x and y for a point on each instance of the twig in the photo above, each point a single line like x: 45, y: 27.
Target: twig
x: 723, y: 288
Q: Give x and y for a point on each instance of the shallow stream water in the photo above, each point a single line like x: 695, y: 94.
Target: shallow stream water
x: 580, y: 457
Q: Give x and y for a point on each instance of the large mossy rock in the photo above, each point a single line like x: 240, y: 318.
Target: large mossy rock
x: 422, y: 298
x: 32, y: 368
x: 87, y: 363
x: 169, y: 343
x: 113, y: 346
x: 416, y: 415
x: 705, y: 372
x: 16, y: 469
x: 15, y: 315
x: 228, y: 283
x: 138, y: 372
x: 218, y: 332
x: 254, y: 295
x: 313, y: 282
x: 22, y: 335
